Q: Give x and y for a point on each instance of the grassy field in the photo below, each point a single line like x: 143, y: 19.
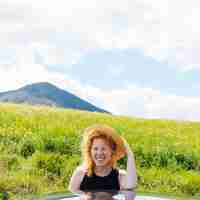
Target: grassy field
x: 40, y: 147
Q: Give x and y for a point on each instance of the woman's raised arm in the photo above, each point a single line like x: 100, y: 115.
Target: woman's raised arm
x: 128, y: 178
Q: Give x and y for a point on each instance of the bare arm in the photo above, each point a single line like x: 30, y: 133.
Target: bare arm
x: 75, y: 181
x: 129, y: 195
x: 128, y: 178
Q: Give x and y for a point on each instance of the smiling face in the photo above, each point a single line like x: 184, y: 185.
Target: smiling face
x: 101, y: 152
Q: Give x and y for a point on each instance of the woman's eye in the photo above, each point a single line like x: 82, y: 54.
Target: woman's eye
x: 95, y: 148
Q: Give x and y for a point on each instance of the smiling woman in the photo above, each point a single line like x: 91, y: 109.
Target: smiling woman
x: 101, y: 148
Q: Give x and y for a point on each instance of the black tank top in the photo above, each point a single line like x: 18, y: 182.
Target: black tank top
x: 94, y: 182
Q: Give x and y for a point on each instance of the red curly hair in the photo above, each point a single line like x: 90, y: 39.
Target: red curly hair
x: 112, y: 139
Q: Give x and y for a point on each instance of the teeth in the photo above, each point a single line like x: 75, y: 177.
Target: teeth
x: 100, y: 158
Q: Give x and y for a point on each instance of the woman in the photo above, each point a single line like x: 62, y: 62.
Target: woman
x: 101, y: 148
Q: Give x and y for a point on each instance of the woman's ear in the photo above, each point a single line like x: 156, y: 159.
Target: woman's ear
x: 114, y: 147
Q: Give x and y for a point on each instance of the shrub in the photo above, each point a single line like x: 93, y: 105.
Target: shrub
x: 62, y: 145
x: 9, y: 162
x: 191, y: 184
x: 3, y: 196
x: 187, y: 162
x: 13, y: 162
x: 26, y: 148
x: 166, y: 158
x: 69, y: 166
x: 50, y: 145
x: 49, y: 164
x: 162, y: 158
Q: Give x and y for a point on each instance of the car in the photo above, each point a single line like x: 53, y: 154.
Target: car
x: 100, y: 195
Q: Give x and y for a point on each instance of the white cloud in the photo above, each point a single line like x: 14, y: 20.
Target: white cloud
x: 165, y: 30
x: 25, y: 70
x: 149, y: 103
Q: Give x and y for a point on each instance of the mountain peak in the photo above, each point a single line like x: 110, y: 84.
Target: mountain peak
x: 45, y: 93
x: 40, y: 85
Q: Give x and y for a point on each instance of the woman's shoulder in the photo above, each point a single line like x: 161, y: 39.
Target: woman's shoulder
x: 121, y: 172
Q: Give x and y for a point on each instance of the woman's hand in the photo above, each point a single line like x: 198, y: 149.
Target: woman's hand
x: 128, y: 180
x: 127, y: 147
x: 86, y: 196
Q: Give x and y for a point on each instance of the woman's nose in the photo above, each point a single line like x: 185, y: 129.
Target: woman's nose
x: 99, y: 151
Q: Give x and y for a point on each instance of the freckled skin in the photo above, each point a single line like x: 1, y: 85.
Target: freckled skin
x: 101, y: 152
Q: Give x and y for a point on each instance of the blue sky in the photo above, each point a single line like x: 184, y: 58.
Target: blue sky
x: 138, y: 58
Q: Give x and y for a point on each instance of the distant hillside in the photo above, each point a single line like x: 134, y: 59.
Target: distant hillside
x: 47, y: 94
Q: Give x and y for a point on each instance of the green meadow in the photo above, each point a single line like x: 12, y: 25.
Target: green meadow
x: 40, y: 148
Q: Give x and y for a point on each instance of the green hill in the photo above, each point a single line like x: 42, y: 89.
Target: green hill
x: 47, y: 94
x: 40, y: 147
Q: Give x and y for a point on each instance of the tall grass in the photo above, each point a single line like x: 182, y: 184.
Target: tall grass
x: 40, y: 148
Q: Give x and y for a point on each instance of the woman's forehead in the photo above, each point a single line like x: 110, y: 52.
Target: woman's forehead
x: 100, y: 141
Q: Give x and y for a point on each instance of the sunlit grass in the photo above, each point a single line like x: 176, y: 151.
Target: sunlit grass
x: 31, y: 138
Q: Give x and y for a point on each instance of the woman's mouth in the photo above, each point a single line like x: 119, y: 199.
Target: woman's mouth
x: 100, y: 158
